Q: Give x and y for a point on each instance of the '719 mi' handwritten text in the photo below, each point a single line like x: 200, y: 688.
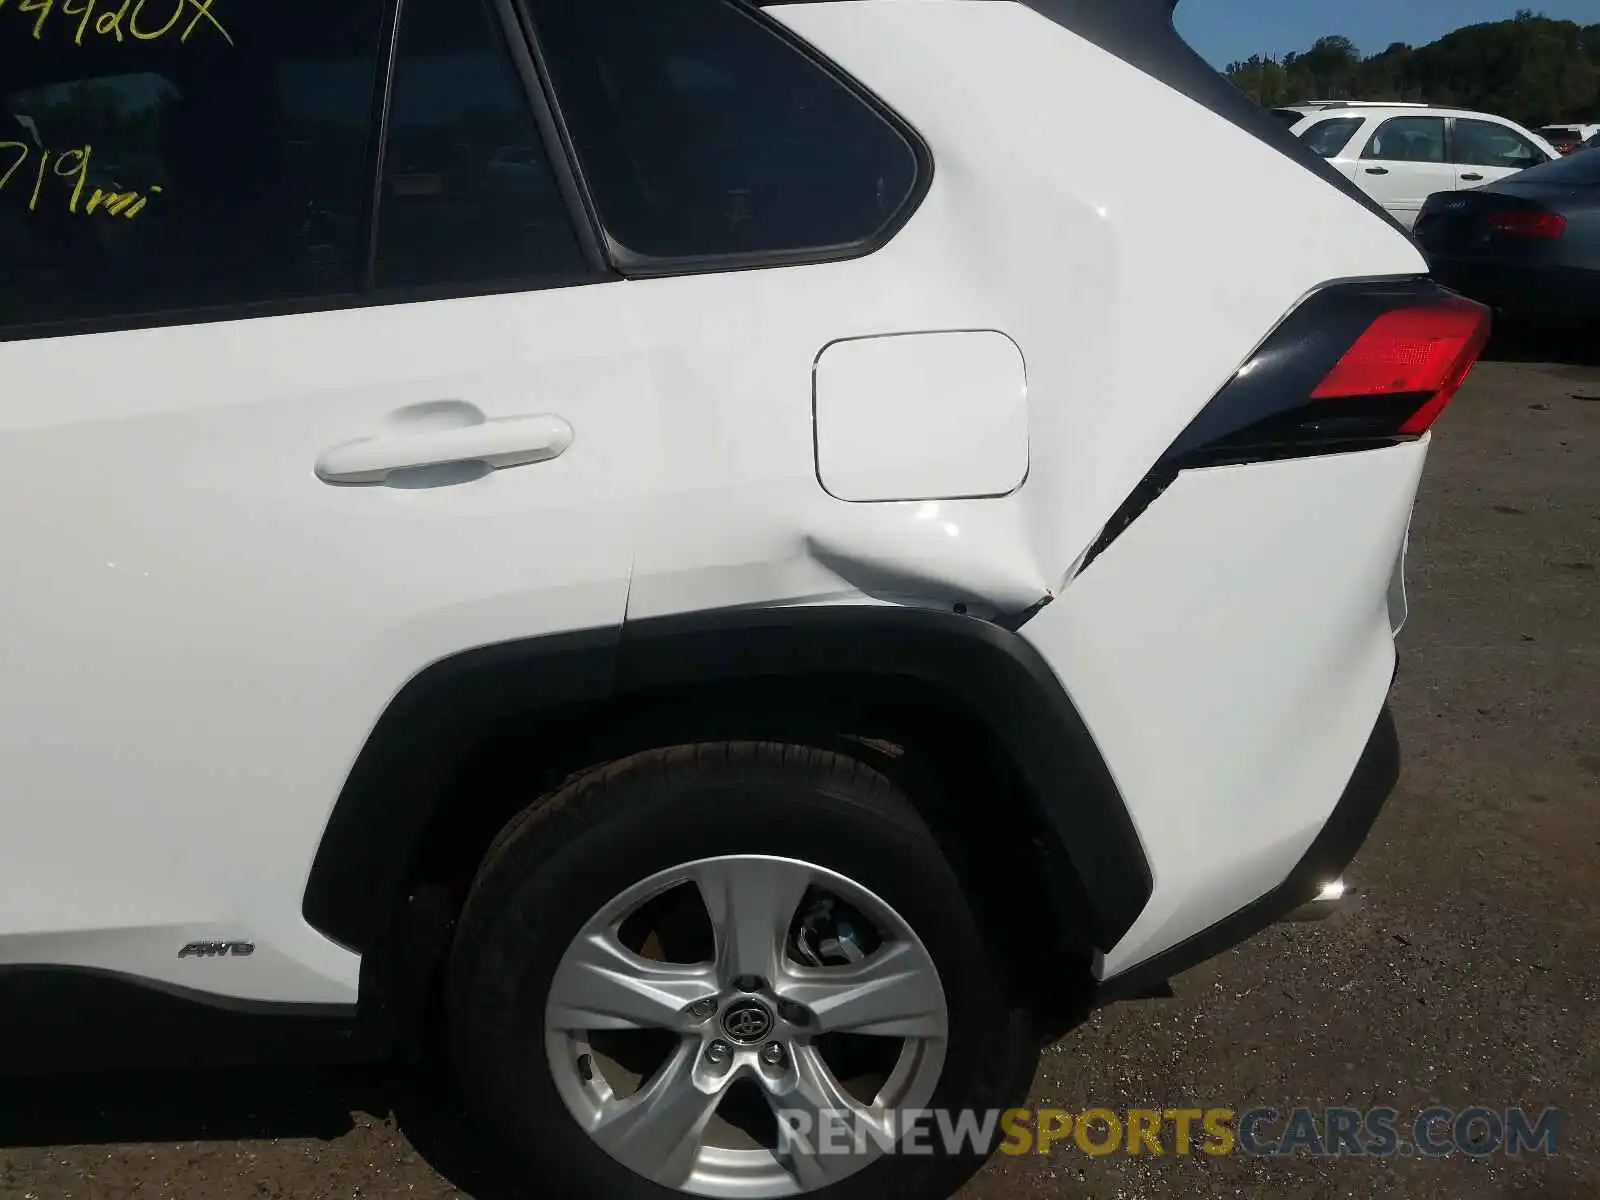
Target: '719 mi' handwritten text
x: 69, y: 168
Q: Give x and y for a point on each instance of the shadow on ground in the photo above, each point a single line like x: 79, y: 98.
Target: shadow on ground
x: 1524, y: 344
x: 173, y: 1106
x: 178, y: 1107
x: 416, y: 1098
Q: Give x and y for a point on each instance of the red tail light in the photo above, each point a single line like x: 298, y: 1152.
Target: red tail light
x: 1528, y: 224
x: 1356, y: 366
x: 1424, y: 350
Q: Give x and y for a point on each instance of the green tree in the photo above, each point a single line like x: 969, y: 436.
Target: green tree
x: 1530, y: 68
x: 1264, y: 79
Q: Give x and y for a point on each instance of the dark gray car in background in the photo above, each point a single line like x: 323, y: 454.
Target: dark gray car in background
x: 1528, y: 245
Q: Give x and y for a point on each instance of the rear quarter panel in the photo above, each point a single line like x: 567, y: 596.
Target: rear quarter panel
x: 1135, y: 283
x: 1231, y: 651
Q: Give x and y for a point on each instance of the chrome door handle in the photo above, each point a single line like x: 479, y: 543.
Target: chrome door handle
x: 495, y: 444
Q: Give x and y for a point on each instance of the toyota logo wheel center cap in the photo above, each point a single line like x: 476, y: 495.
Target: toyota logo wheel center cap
x: 747, y: 1022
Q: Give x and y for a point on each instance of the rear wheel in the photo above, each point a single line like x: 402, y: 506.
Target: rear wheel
x: 730, y: 971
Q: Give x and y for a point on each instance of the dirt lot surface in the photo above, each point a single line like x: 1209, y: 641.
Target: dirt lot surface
x: 1469, y: 972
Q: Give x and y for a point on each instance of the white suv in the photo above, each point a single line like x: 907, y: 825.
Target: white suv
x: 1402, y: 154
x: 682, y: 545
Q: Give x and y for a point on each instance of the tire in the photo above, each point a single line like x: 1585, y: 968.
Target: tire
x: 562, y: 860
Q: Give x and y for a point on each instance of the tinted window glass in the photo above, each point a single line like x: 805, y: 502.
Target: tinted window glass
x: 162, y: 156
x: 468, y: 191
x: 704, y: 133
x: 1408, y: 139
x: 1327, y: 138
x: 1579, y: 169
x: 1484, y: 144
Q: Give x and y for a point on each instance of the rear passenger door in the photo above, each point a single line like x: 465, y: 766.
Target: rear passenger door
x: 1484, y: 151
x: 289, y: 410
x: 714, y: 144
x: 1404, y: 162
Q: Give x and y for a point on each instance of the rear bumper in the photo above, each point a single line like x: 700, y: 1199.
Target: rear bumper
x: 1376, y: 773
x: 1554, y: 292
x: 1231, y: 654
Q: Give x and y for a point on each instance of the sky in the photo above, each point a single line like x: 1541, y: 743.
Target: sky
x: 1227, y: 30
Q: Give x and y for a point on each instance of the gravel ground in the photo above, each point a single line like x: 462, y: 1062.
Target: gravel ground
x: 1468, y: 973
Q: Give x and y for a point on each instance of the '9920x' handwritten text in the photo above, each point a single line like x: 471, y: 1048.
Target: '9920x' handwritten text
x: 120, y: 18
x: 71, y: 166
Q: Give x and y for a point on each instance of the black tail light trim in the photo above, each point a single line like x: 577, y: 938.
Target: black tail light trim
x: 1268, y: 411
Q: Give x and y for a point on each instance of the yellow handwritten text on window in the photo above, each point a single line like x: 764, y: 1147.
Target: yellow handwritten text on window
x: 141, y: 20
x: 64, y: 179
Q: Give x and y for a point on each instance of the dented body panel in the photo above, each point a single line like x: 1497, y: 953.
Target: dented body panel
x: 1076, y: 267
x: 946, y: 421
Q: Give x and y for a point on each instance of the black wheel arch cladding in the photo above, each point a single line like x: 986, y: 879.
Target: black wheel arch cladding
x: 1095, y: 861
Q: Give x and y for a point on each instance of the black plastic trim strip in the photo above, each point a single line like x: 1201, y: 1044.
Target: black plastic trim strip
x: 525, y: 48
x: 1266, y: 413
x: 56, y: 1022
x: 1335, y: 847
x: 997, y: 677
x: 378, y: 131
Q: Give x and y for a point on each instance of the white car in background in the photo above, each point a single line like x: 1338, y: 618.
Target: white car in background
x: 1293, y: 114
x: 1402, y: 154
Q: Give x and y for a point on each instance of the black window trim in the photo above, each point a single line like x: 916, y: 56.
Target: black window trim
x: 530, y: 65
x: 639, y: 266
x: 368, y: 295
x: 378, y: 133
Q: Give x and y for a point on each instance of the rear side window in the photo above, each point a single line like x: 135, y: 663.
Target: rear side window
x: 1328, y: 138
x: 1485, y: 144
x: 173, y: 156
x: 1408, y: 139
x: 704, y: 134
